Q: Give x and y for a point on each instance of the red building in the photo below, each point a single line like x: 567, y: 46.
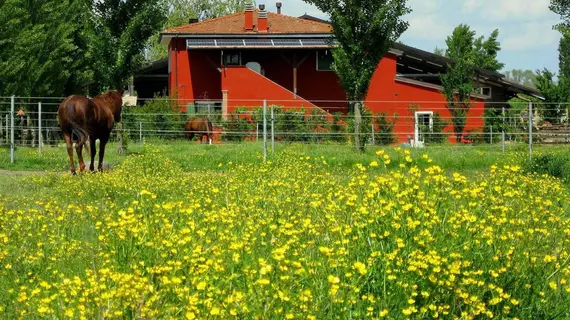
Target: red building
x: 242, y: 59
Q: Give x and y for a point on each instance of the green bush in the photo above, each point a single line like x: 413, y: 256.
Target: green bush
x: 384, y: 129
x: 338, y: 128
x: 159, y: 117
x: 239, y: 125
x: 436, y: 134
x: 291, y: 125
x: 556, y: 165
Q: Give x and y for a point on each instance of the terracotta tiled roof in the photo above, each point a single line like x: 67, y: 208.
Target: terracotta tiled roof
x: 235, y: 24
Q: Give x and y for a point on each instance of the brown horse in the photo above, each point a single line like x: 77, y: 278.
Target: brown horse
x: 82, y: 119
x: 201, y: 127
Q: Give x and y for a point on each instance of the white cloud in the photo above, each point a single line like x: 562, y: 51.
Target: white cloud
x: 507, y: 9
x: 428, y: 27
x: 530, y: 36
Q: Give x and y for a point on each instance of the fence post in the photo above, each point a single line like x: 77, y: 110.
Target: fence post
x: 12, y: 103
x: 530, y: 116
x: 40, y: 140
x: 503, y: 135
x: 264, y: 130
x: 272, y: 130
x: 491, y: 134
x: 140, y: 132
x: 373, y: 138
x: 256, y: 131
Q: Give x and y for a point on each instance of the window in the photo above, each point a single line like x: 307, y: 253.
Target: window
x: 231, y: 58
x: 486, y: 91
x: 324, y: 60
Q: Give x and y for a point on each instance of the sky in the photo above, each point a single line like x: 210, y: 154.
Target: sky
x: 525, y: 26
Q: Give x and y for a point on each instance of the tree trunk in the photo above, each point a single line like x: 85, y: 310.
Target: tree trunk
x: 357, y: 121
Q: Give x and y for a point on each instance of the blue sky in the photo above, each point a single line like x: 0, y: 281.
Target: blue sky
x: 525, y: 26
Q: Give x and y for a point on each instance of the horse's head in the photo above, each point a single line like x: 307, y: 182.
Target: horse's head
x: 116, y: 99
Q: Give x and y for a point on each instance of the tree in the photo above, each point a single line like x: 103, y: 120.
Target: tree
x: 467, y: 52
x: 457, y: 89
x: 524, y: 77
x: 181, y: 11
x: 554, y: 94
x: 439, y: 51
x: 364, y: 31
x: 118, y: 37
x: 42, y: 47
x: 486, y: 51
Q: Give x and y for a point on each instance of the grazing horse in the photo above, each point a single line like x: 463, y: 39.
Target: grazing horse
x: 83, y: 119
x: 201, y: 127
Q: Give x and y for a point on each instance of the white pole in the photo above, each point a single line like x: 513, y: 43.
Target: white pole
x: 491, y: 134
x: 530, y: 116
x: 140, y: 131
x: 272, y: 130
x: 264, y: 130
x: 373, y: 139
x: 503, y: 129
x: 12, y: 103
x: 40, y: 127
x: 416, y: 130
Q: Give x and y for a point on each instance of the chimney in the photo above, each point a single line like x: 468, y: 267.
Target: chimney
x: 262, y: 24
x: 279, y: 5
x: 249, y: 17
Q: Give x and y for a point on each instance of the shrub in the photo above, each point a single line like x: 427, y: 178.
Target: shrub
x: 239, y: 125
x: 556, y: 165
x: 384, y: 129
x: 436, y: 135
x: 338, y: 128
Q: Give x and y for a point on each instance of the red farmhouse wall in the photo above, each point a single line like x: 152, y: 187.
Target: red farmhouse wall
x: 387, y: 94
x: 247, y: 88
x: 197, y: 75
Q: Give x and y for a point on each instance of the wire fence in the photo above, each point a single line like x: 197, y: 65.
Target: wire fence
x: 32, y: 122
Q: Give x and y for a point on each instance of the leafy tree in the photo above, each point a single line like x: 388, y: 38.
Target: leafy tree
x: 468, y: 53
x: 486, y: 51
x: 364, y: 30
x: 118, y: 37
x: 524, y: 77
x: 460, y: 44
x: 457, y: 89
x: 554, y: 94
x: 439, y: 51
x: 42, y: 48
x: 181, y: 11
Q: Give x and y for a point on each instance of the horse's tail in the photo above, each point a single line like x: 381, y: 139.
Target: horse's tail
x: 77, y: 127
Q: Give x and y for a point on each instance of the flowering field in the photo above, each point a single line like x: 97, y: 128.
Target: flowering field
x: 297, y: 238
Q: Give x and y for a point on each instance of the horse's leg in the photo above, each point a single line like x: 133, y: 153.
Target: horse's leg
x: 93, y: 148
x: 102, y: 143
x: 69, y: 145
x: 79, y: 149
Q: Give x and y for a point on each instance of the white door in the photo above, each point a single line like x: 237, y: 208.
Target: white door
x: 423, y: 124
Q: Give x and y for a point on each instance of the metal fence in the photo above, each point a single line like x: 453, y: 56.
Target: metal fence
x: 32, y: 122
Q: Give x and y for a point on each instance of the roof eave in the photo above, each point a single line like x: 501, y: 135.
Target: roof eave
x: 165, y: 38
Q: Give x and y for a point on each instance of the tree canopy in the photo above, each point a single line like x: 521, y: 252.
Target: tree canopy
x: 118, y: 37
x: 480, y: 52
x: 524, y: 77
x: 364, y: 31
x: 42, y: 47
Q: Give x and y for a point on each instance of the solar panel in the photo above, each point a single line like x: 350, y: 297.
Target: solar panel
x: 230, y: 43
x: 286, y: 42
x: 258, y: 42
x: 315, y: 42
x: 200, y: 43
